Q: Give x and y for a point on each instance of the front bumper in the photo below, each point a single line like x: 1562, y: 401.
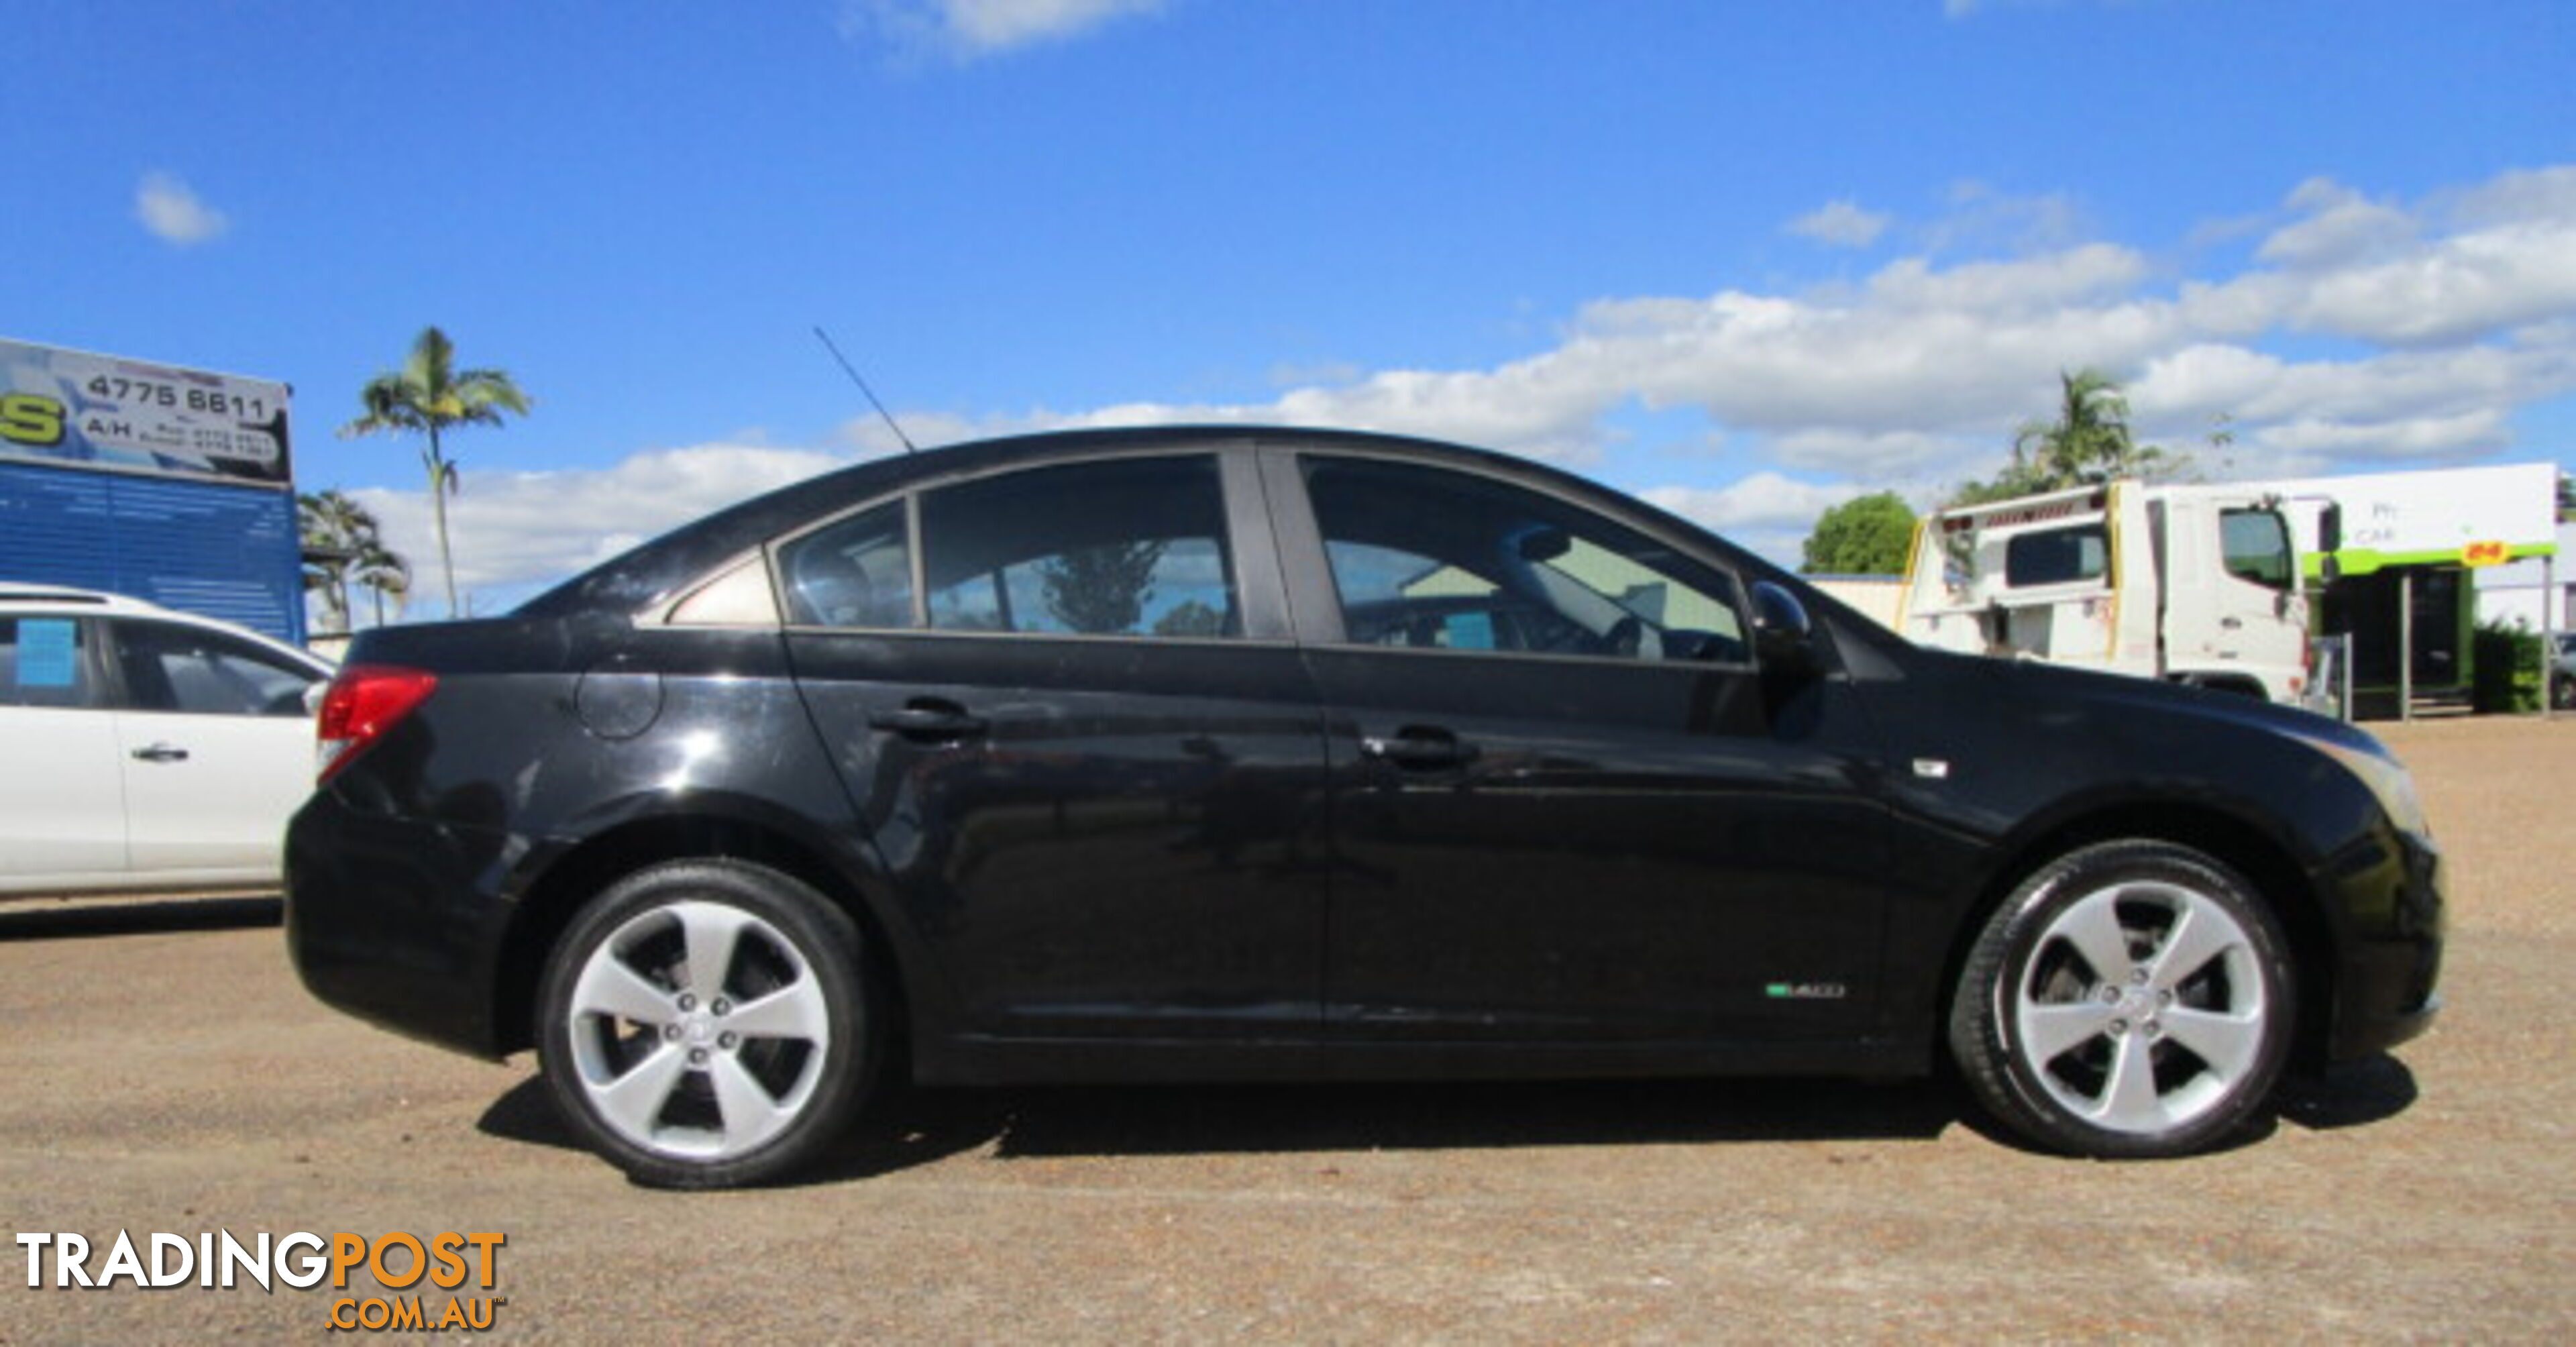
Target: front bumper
x: 2387, y: 990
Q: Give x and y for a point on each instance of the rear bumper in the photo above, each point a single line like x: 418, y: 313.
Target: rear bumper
x: 391, y: 921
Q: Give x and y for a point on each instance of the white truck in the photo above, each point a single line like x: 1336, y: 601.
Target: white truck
x: 2193, y: 584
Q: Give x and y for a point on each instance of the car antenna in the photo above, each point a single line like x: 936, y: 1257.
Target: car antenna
x: 852, y: 371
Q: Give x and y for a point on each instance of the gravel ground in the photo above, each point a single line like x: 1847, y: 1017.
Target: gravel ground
x: 169, y: 1075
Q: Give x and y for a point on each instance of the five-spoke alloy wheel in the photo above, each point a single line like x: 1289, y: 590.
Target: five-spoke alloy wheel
x: 2131, y: 999
x: 705, y: 1024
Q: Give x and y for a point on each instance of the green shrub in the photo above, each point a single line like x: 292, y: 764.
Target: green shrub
x: 2507, y: 658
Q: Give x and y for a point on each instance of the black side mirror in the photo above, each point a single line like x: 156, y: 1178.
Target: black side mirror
x: 1783, y: 635
x: 2330, y: 542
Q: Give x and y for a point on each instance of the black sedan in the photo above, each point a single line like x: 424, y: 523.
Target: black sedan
x: 1228, y: 753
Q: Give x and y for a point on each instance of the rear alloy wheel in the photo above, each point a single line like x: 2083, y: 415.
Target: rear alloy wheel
x: 2131, y: 1000
x: 704, y: 1024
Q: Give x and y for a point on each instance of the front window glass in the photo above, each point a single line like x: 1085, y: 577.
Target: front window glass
x: 168, y: 667
x: 2257, y: 545
x: 1430, y: 559
x: 1131, y: 547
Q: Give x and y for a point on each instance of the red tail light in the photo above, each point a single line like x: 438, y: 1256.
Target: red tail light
x: 363, y: 702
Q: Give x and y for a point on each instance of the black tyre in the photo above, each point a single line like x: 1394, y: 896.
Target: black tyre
x: 2130, y: 1000
x: 707, y: 1024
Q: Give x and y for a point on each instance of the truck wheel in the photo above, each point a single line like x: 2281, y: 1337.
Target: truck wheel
x: 2131, y: 1000
x: 705, y: 1024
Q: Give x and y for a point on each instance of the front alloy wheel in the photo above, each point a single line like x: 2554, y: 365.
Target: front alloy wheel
x: 704, y: 1024
x: 2130, y: 1000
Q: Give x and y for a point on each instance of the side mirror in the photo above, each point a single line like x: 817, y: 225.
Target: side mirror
x: 1783, y: 635
x: 2329, y: 543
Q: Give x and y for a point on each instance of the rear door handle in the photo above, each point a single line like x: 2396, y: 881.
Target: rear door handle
x: 1419, y: 747
x: 159, y: 753
x: 930, y: 720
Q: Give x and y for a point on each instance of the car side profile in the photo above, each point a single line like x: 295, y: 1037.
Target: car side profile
x: 1239, y: 753
x: 155, y: 750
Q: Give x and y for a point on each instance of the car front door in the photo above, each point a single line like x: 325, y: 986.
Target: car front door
x: 216, y: 745
x: 1564, y: 807
x: 1067, y: 708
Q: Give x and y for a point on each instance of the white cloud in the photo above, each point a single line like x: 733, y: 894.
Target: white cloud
x: 1840, y: 224
x: 173, y: 212
x: 1766, y: 512
x: 1983, y: 219
x: 1763, y: 500
x: 519, y: 531
x: 2362, y: 334
x: 967, y: 29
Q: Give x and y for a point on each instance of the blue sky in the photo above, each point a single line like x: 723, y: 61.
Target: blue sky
x: 1748, y: 258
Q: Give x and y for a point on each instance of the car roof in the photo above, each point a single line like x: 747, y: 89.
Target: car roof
x: 20, y: 596
x: 65, y: 596
x: 651, y: 573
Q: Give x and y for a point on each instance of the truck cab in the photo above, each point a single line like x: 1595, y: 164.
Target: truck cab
x: 2191, y: 584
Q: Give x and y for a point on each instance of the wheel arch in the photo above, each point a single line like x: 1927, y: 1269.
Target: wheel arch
x: 2266, y: 863
x: 548, y: 906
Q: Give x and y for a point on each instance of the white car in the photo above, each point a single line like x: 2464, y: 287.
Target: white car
x: 147, y: 749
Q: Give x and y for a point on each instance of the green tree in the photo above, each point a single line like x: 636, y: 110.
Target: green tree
x: 386, y: 572
x: 2087, y: 444
x: 341, y: 541
x: 429, y: 396
x: 1103, y: 588
x: 1191, y: 618
x: 1866, y: 535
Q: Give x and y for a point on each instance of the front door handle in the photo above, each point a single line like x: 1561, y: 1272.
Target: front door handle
x: 931, y: 720
x: 159, y: 752
x: 1419, y: 748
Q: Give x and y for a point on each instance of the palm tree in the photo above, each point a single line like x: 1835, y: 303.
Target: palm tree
x: 340, y: 537
x: 429, y: 395
x: 386, y: 572
x: 2089, y: 442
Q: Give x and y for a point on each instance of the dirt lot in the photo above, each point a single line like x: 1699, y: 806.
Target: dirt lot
x: 169, y: 1075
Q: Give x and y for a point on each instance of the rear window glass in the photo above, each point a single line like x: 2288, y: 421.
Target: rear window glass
x: 2057, y: 556
x: 41, y: 663
x: 1130, y: 547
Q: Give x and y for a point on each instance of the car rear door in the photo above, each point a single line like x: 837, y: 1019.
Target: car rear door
x: 62, y: 799
x: 1564, y: 807
x: 1066, y: 707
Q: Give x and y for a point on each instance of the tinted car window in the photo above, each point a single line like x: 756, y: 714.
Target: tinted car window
x: 853, y: 573
x: 168, y: 667
x: 1132, y: 547
x: 2057, y: 556
x: 41, y: 662
x: 1433, y: 559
